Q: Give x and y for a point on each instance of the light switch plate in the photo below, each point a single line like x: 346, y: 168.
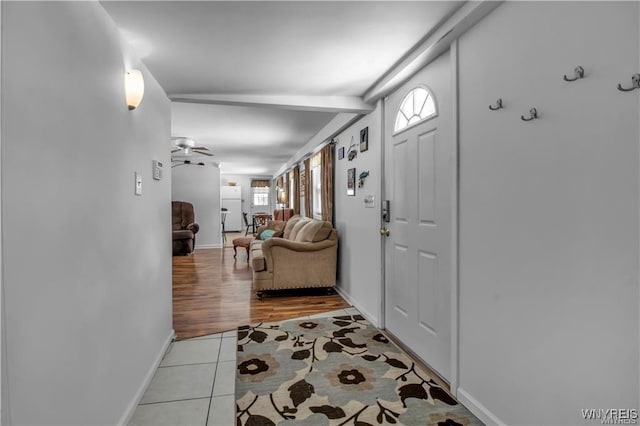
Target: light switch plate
x: 369, y: 201
x: 138, y: 183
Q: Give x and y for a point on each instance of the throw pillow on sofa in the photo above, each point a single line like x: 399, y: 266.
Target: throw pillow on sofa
x: 269, y: 233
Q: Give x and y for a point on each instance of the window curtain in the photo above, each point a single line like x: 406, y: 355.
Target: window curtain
x: 326, y: 165
x: 296, y: 190
x: 286, y: 187
x: 260, y: 184
x: 307, y: 187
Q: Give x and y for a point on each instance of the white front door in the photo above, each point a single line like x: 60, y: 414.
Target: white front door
x: 419, y: 182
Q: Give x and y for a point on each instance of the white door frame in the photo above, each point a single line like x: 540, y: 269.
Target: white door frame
x: 455, y: 226
x: 383, y: 196
x: 453, y: 52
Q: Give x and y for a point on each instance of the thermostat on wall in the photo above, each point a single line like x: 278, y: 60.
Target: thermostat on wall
x: 157, y: 170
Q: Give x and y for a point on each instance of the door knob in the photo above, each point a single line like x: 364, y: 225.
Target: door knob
x: 385, y: 232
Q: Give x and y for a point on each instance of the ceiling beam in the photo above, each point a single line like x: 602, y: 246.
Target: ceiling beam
x: 349, y: 104
x: 463, y: 19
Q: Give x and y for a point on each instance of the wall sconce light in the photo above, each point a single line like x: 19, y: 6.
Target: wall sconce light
x: 134, y: 88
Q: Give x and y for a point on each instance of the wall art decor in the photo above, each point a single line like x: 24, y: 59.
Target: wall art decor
x: 352, y: 151
x: 351, y: 181
x: 364, y: 139
x: 341, y: 153
x: 362, y: 178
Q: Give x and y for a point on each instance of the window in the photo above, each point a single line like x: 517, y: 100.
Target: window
x: 260, y: 196
x: 417, y: 106
x: 260, y: 190
x: 316, y: 186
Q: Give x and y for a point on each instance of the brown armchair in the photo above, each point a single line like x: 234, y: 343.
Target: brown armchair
x: 283, y: 214
x: 184, y: 228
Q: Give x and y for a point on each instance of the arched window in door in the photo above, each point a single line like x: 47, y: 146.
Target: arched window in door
x: 417, y: 106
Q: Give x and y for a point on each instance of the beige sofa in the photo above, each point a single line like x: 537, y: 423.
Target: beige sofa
x: 305, y: 256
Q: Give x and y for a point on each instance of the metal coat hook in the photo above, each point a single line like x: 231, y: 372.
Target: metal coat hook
x: 635, y: 84
x: 498, y: 105
x: 579, y: 73
x: 533, y: 114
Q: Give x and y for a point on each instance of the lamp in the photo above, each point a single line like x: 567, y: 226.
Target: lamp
x: 134, y: 88
x: 282, y: 199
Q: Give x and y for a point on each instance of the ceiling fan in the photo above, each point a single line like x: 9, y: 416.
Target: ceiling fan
x: 187, y: 146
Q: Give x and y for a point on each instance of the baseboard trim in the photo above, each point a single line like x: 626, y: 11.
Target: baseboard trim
x: 479, y: 410
x: 128, y: 413
x: 208, y: 246
x: 373, y: 319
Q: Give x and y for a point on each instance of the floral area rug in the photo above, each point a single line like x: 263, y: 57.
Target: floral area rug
x: 334, y: 371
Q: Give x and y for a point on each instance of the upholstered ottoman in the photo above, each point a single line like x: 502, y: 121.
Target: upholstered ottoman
x: 242, y: 242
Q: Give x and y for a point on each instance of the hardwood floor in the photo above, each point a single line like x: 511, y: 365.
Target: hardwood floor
x: 212, y: 293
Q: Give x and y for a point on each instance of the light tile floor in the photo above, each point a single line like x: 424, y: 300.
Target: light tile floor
x: 195, y: 382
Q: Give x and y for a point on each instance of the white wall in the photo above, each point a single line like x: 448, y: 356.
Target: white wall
x: 549, y: 212
x: 3, y: 347
x: 360, y: 273
x: 200, y: 186
x: 87, y: 264
x: 4, y: 413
